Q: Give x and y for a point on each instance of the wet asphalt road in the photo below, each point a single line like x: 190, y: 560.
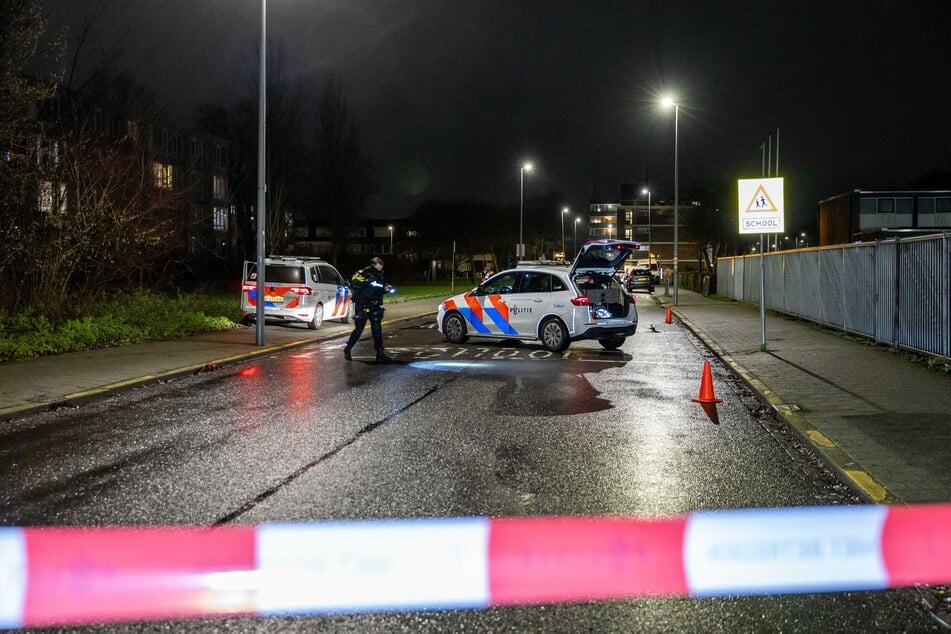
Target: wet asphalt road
x: 484, y: 428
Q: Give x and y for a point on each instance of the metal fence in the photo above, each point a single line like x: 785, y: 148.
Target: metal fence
x: 897, y: 292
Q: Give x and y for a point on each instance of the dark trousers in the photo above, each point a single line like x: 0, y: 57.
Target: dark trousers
x: 362, y: 314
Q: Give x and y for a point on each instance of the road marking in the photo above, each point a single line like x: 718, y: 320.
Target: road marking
x: 877, y: 492
x: 819, y: 438
x: 502, y: 354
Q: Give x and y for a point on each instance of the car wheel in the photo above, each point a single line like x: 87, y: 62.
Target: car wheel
x: 613, y: 342
x: 554, y: 335
x: 454, y: 327
x: 348, y: 316
x: 318, y: 319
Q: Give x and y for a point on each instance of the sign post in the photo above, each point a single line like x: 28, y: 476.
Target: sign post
x: 761, y: 209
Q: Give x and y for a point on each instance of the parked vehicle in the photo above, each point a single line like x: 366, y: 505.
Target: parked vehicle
x: 296, y: 289
x: 549, y: 302
x: 640, y: 280
x: 653, y: 266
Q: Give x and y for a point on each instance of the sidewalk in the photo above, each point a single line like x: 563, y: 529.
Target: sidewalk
x: 883, y: 423
x: 34, y: 385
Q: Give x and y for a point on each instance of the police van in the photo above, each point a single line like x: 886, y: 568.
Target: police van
x: 296, y: 289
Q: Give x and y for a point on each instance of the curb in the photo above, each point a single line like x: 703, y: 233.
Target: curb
x: 86, y: 396
x: 848, y: 470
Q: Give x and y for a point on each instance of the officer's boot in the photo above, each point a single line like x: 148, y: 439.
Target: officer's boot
x: 381, y: 357
x: 346, y: 353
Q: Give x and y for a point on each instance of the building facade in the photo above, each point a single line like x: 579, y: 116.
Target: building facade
x: 648, y: 221
x: 861, y: 215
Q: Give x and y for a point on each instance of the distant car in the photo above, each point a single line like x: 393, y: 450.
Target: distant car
x: 640, y: 280
x: 549, y: 302
x: 653, y: 266
x: 296, y: 289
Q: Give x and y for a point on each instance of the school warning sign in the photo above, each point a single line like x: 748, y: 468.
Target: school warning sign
x: 761, y: 205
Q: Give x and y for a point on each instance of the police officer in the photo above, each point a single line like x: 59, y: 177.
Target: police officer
x: 368, y: 287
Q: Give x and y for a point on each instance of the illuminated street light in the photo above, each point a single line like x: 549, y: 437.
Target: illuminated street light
x: 261, y: 211
x: 577, y: 220
x: 610, y: 227
x: 391, y: 238
x: 667, y: 103
x: 563, y: 212
x: 520, y: 249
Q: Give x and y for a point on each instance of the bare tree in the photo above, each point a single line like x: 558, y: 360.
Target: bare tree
x: 103, y: 222
x: 22, y: 25
x: 88, y: 40
x: 343, y: 175
x: 286, y: 161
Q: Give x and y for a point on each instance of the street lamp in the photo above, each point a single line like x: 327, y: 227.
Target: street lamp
x: 668, y: 102
x: 261, y: 224
x: 520, y: 249
x: 577, y: 220
x: 563, y: 212
x: 650, y: 238
x: 610, y: 227
x: 391, y: 238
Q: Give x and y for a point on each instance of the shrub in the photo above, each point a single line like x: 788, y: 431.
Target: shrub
x: 126, y: 318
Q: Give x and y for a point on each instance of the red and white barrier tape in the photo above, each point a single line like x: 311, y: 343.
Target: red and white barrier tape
x: 53, y: 576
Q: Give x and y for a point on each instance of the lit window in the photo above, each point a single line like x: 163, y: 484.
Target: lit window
x: 220, y: 219
x: 163, y: 175
x: 52, y: 198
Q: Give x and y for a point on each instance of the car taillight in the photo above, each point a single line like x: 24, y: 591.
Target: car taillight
x: 301, y: 290
x: 581, y: 300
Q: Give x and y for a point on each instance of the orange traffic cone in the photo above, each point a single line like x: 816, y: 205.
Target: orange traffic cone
x: 667, y: 318
x: 706, y: 387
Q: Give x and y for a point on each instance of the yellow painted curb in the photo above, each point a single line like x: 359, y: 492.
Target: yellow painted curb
x: 834, y: 456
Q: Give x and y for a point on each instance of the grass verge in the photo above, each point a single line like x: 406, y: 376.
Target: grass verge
x: 138, y: 317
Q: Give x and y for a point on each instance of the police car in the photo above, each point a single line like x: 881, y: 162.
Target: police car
x: 296, y: 289
x: 553, y: 303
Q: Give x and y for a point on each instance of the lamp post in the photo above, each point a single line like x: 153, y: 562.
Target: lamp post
x: 610, y: 227
x: 261, y: 224
x: 563, y: 253
x: 391, y: 238
x: 668, y: 102
x: 520, y: 249
x: 577, y: 220
x: 650, y: 238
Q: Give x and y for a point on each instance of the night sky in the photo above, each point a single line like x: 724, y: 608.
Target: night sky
x: 453, y: 95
